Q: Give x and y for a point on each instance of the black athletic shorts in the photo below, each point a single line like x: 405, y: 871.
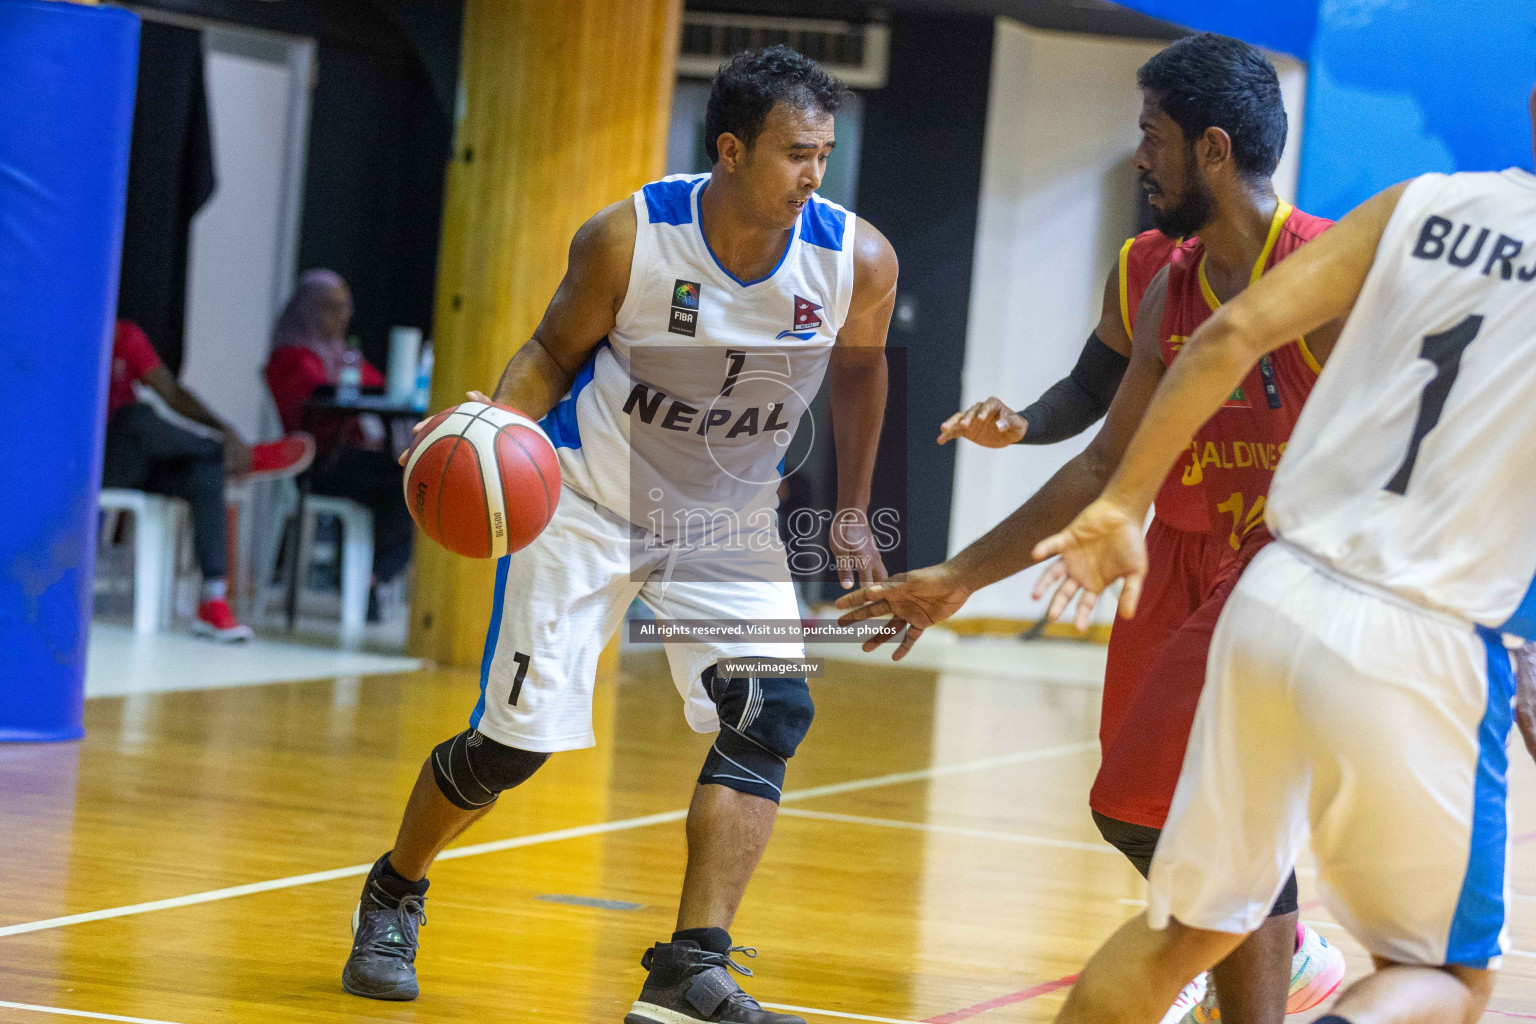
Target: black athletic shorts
x: 1138, y: 842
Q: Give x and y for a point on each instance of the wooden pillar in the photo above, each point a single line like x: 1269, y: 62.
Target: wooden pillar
x: 566, y: 109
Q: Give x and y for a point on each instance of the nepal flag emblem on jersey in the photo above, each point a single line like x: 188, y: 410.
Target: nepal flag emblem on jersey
x: 806, y: 321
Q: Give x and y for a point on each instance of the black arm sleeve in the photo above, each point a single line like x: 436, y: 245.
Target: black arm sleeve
x: 1079, y: 400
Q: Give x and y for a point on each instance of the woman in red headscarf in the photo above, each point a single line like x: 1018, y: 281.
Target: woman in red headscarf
x: 308, y: 348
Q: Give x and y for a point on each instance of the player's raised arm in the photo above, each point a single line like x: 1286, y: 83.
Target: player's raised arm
x: 1317, y: 284
x: 858, y: 393
x: 917, y: 600
x: 1068, y: 407
x: 579, y: 316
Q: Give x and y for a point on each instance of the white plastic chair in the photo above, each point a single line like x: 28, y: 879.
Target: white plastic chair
x: 356, y: 554
x: 161, y: 542
x: 157, y: 522
x: 356, y: 551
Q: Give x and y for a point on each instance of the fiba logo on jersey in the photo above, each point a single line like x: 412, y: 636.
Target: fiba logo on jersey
x: 805, y: 321
x: 685, y: 308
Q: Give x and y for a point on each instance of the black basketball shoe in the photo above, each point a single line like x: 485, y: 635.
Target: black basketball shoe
x: 688, y: 984
x: 382, y: 964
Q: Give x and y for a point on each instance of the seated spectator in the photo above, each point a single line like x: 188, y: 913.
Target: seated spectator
x: 308, y: 346
x: 149, y: 453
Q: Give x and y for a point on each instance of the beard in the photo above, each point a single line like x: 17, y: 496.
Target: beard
x: 1192, y: 213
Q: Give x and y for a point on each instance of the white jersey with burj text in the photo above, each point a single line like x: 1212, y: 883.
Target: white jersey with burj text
x: 689, y: 405
x: 1413, y: 465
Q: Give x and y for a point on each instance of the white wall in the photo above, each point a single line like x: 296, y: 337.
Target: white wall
x: 240, y: 264
x: 1058, y: 197
x: 1293, y: 87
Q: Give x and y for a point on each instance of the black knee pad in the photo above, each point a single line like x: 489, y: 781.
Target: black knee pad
x: 472, y: 770
x: 762, y: 721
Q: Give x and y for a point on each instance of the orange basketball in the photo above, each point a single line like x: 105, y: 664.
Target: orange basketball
x: 482, y: 480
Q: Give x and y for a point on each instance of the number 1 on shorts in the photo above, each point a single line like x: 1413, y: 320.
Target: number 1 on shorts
x: 522, y: 673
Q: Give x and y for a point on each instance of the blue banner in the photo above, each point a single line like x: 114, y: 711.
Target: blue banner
x: 1276, y: 24
x: 67, y: 77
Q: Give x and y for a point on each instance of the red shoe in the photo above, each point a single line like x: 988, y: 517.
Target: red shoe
x: 285, y: 457
x: 214, y: 619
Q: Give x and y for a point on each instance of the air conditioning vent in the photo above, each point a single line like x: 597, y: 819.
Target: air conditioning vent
x: 854, y: 53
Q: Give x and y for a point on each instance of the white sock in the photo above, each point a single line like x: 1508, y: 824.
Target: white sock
x: 214, y: 589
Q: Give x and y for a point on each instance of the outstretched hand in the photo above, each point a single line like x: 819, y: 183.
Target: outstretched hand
x: 991, y: 424
x: 420, y: 425
x: 1103, y: 544
x: 913, y: 601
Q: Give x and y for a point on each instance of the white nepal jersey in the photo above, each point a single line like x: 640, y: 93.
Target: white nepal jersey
x: 690, y: 403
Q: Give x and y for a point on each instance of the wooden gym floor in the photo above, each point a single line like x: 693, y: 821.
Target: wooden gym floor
x: 196, y: 859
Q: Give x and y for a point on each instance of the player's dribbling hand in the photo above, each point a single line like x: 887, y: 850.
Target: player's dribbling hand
x: 1103, y: 544
x: 990, y: 423
x: 420, y: 425
x: 913, y: 601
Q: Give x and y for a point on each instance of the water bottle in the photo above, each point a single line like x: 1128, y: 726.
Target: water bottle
x: 349, y: 382
x: 423, y: 395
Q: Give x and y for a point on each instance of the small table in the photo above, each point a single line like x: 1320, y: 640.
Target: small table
x: 324, y: 403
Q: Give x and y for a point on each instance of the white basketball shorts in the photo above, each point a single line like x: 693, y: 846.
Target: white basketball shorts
x: 1378, y: 725
x: 559, y: 600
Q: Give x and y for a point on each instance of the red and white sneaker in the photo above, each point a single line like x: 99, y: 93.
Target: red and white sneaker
x: 215, y: 620
x: 285, y: 457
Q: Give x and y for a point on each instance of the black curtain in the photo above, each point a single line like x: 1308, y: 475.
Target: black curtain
x: 170, y: 177
x: 373, y: 193
x: 920, y: 184
x: 380, y: 138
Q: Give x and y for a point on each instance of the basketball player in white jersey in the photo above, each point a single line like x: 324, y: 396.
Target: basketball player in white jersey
x: 1359, y: 683
x: 693, y: 327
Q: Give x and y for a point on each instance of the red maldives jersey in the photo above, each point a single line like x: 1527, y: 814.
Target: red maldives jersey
x: 1178, y: 504
x: 1233, y: 456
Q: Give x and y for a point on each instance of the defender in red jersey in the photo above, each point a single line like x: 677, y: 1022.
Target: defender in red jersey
x: 1232, y: 460
x: 1213, y: 127
x: 1183, y: 555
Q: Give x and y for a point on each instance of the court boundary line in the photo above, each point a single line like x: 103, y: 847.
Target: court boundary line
x: 950, y: 830
x: 940, y: 771
x: 62, y: 1012
x: 537, y: 839
x: 91, y: 1015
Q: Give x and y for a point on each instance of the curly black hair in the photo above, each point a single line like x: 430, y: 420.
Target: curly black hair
x: 1207, y: 80
x: 748, y: 85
